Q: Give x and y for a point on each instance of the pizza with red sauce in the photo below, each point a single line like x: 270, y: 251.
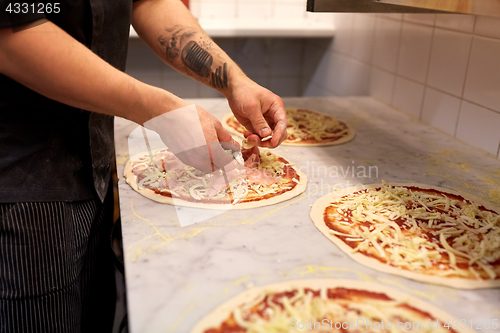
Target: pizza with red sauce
x: 417, y: 231
x: 305, y: 128
x: 261, y: 178
x: 321, y: 306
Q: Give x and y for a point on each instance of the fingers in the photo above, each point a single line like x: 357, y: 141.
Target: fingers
x: 278, y: 114
x: 225, y: 139
x: 259, y: 123
x: 219, y: 156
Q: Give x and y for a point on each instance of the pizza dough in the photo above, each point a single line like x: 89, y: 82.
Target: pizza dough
x: 305, y: 128
x: 287, y: 182
x: 332, y: 303
x: 420, y: 245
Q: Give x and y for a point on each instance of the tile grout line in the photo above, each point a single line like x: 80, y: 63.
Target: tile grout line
x: 462, y: 99
x: 429, y: 57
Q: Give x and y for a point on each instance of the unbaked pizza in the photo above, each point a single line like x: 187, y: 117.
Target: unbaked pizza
x: 417, y: 231
x: 261, y: 178
x: 322, y: 305
x: 305, y: 128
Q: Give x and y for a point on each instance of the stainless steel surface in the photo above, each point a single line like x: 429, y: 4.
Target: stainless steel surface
x: 476, y: 7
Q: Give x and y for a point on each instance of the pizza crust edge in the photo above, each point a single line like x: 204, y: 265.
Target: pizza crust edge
x: 320, y: 205
x: 350, y: 135
x: 297, y: 190
x: 222, y: 312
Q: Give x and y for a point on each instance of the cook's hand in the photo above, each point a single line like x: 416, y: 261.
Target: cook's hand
x: 195, y: 136
x: 260, y: 111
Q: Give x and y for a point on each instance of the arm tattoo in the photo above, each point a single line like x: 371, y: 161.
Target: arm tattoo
x: 197, y: 59
x: 194, y: 55
x: 219, y: 77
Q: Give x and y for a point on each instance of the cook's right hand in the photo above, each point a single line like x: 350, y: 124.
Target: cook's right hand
x: 195, y: 136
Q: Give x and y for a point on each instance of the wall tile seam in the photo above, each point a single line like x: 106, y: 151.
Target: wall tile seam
x: 429, y: 56
x: 372, y: 50
x: 476, y: 147
x: 351, y: 58
x: 481, y: 106
x: 351, y: 30
x: 393, y: 94
x: 458, y: 117
x: 389, y: 18
x: 421, y: 23
x: 464, y: 84
x: 490, y: 39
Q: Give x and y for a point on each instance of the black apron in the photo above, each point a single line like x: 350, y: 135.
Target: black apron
x: 50, y: 151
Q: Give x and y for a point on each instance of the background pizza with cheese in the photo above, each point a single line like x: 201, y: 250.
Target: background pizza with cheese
x: 417, y: 231
x: 305, y: 128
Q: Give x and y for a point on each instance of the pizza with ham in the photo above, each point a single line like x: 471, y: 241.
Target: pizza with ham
x: 417, y: 231
x: 261, y: 178
x: 305, y: 128
x: 326, y: 305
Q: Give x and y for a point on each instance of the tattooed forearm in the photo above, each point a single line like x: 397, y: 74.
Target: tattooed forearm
x: 197, y: 57
x: 219, y: 77
x: 172, y: 42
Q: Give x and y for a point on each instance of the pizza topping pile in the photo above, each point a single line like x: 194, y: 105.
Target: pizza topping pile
x: 168, y: 176
x: 304, y: 124
x: 333, y: 309
x: 418, y: 229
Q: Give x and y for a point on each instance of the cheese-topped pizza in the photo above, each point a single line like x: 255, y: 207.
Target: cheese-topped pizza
x: 417, y: 231
x: 262, y: 178
x: 322, y: 305
x: 305, y: 128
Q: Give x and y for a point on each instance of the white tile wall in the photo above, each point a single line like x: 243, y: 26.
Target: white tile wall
x: 458, y: 22
x: 483, y: 73
x: 488, y: 27
x: 479, y: 127
x: 217, y: 9
x: 427, y: 19
x: 408, y: 96
x: 382, y: 85
x: 441, y: 68
x: 252, y: 10
x: 362, y: 39
x: 448, y: 64
x: 344, y: 24
x: 441, y: 110
x: 387, y: 37
x: 414, y: 51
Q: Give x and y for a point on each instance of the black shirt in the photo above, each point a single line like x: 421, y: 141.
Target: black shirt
x: 50, y: 151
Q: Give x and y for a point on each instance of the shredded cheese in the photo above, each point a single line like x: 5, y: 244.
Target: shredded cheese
x: 421, y: 231
x: 277, y: 313
x: 186, y: 181
x: 305, y: 124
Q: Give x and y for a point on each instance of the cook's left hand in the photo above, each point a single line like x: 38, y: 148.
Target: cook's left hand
x: 260, y: 111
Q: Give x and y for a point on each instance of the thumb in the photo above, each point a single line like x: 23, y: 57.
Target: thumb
x: 259, y: 124
x: 225, y: 139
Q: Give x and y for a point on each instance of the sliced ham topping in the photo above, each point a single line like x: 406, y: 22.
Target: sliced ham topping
x: 253, y: 161
x: 172, y: 163
x: 217, y: 183
x: 260, y: 176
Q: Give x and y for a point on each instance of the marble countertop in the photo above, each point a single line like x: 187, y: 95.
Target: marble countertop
x: 177, y: 275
